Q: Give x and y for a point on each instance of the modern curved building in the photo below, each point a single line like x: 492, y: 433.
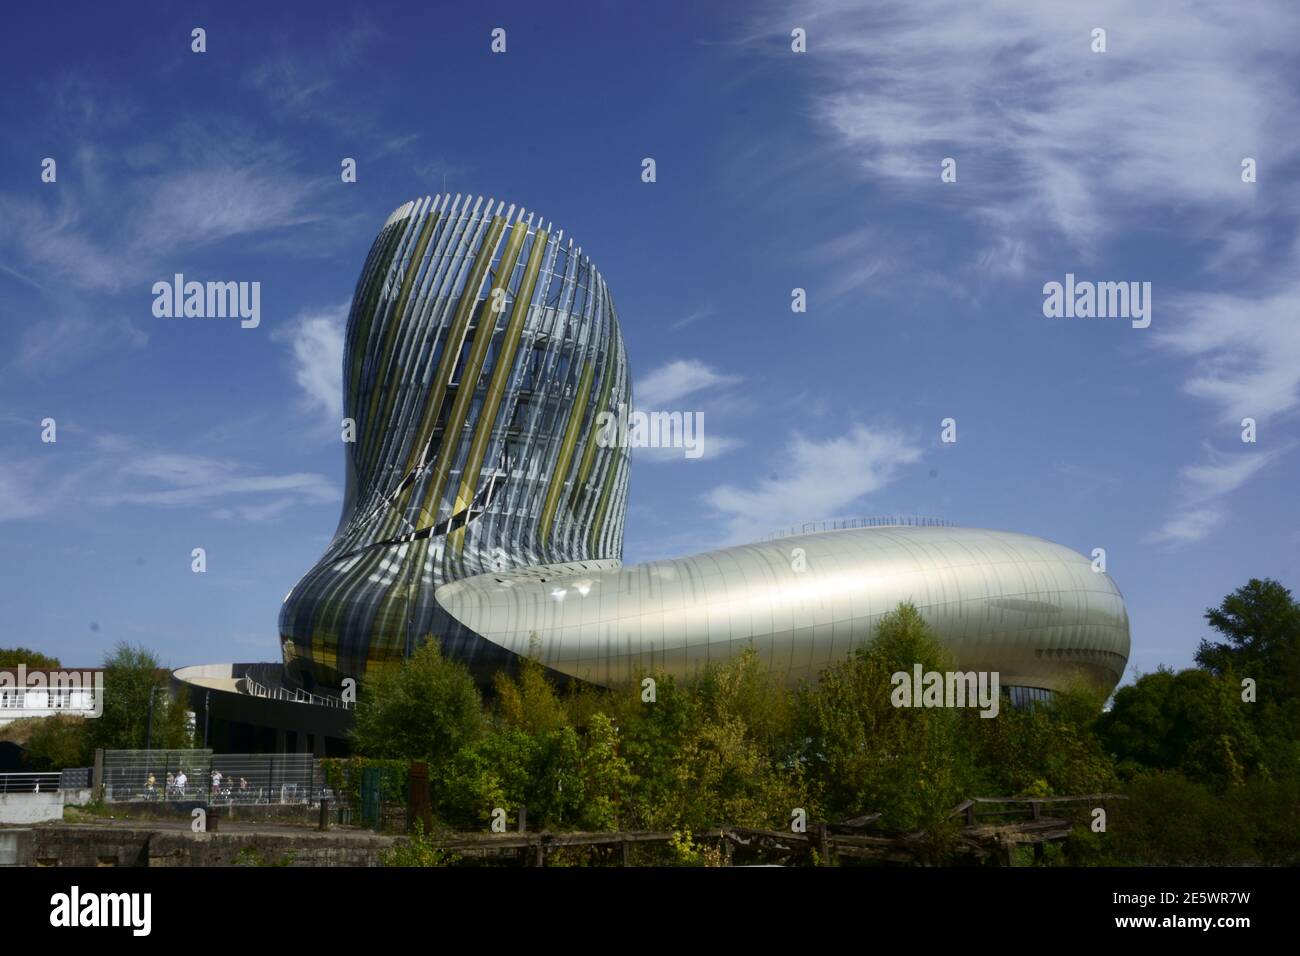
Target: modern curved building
x: 484, y: 510
x: 480, y: 349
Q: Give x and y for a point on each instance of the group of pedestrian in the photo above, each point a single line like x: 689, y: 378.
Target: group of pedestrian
x: 223, y: 786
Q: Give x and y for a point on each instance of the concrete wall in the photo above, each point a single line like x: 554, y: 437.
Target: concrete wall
x: 14, y: 845
x: 133, y: 846
x: 24, y: 808
x: 180, y: 811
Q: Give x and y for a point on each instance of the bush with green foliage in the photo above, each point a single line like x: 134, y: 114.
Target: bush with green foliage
x: 344, y: 776
x: 419, y: 849
x: 425, y: 709
x: 1047, y: 749
x: 58, y: 742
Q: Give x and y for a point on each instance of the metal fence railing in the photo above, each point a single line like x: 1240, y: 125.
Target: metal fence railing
x: 155, y: 774
x: 77, y: 778
x: 248, y: 685
x: 29, y: 782
x: 875, y: 521
x: 214, y: 779
x: 263, y: 778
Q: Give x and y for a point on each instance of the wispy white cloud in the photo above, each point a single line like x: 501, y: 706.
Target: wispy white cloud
x: 185, y: 471
x: 679, y: 378
x: 1205, y: 489
x: 302, y: 486
x: 1185, y: 527
x: 315, y: 340
x: 694, y: 317
x: 1063, y: 151
x: 117, y: 471
x: 1223, y: 475
x: 53, y: 343
x: 821, y: 478
x: 665, y: 387
x: 50, y: 243
x: 314, y: 88
x: 1237, y: 251
x: 863, y: 256
x: 211, y: 203
x: 1049, y: 137
x: 174, y: 479
x: 118, y: 218
x: 1246, y: 348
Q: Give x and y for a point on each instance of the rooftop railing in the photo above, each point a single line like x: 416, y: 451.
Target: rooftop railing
x: 246, y: 685
x: 873, y: 521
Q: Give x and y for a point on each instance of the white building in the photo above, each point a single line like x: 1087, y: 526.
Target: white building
x: 44, y: 693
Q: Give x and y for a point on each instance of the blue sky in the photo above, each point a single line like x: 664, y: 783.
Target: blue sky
x: 775, y: 170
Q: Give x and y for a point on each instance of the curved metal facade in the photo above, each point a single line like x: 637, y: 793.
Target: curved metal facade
x: 481, y: 347
x: 1029, y: 609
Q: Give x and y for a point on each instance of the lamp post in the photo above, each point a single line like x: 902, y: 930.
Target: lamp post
x: 148, y: 746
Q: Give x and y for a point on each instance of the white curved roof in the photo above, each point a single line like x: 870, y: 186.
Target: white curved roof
x: 1034, y: 611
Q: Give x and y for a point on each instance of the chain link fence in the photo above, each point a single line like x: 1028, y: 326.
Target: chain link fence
x: 213, y: 779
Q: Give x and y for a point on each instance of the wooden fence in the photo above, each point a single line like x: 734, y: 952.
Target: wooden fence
x: 992, y: 828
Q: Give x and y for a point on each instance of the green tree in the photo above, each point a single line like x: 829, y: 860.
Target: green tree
x: 132, y: 677
x: 427, y: 708
x: 866, y: 755
x: 529, y: 700
x: 603, y: 774
x: 712, y: 749
x: 494, y: 770
x: 14, y: 656
x: 564, y: 767
x: 1261, y: 624
x: 1191, y: 722
x: 652, y: 736
x: 737, y: 762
